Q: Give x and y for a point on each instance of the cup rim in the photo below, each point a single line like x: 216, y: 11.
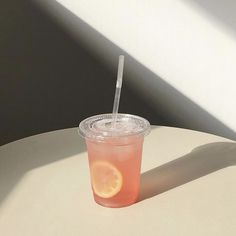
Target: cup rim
x: 86, y: 130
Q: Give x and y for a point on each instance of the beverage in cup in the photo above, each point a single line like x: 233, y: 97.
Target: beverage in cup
x: 115, y: 154
x: 114, y: 143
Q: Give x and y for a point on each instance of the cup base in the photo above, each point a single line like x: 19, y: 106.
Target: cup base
x: 109, y: 205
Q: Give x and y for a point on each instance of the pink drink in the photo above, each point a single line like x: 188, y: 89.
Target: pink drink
x: 115, y: 155
x: 126, y: 158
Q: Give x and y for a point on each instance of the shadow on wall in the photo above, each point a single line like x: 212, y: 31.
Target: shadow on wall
x: 172, y: 107
x: 48, y: 79
x: 217, y: 10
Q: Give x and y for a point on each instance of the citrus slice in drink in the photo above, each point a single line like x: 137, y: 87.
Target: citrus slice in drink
x: 106, y: 179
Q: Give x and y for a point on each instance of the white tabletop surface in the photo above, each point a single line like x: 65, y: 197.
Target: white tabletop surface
x: 188, y: 187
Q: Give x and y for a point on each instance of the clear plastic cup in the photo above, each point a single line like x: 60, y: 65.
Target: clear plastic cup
x: 115, y: 154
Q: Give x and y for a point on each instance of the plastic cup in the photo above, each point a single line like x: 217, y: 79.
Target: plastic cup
x: 115, y: 154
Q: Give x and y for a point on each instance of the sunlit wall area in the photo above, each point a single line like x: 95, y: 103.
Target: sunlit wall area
x: 181, y: 54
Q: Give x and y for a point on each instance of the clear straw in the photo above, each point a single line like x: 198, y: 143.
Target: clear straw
x: 118, y: 89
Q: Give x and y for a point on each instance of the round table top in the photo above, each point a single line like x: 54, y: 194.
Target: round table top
x: 187, y: 187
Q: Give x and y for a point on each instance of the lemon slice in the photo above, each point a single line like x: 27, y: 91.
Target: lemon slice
x: 106, y: 179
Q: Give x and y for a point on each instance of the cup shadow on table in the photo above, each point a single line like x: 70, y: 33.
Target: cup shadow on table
x: 201, y: 161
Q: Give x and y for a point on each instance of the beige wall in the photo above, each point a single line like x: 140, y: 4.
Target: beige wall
x: 48, y: 80
x: 181, y: 53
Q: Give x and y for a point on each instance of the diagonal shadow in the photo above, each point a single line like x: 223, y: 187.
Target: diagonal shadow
x: 221, y: 11
x: 48, y: 80
x: 176, y: 110
x: 201, y: 161
x: 17, y: 158
x: 172, y: 107
x: 48, y: 87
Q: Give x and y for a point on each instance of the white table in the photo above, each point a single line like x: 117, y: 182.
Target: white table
x: 188, y: 187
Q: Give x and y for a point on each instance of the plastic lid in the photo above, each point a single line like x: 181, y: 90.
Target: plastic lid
x: 100, y: 127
